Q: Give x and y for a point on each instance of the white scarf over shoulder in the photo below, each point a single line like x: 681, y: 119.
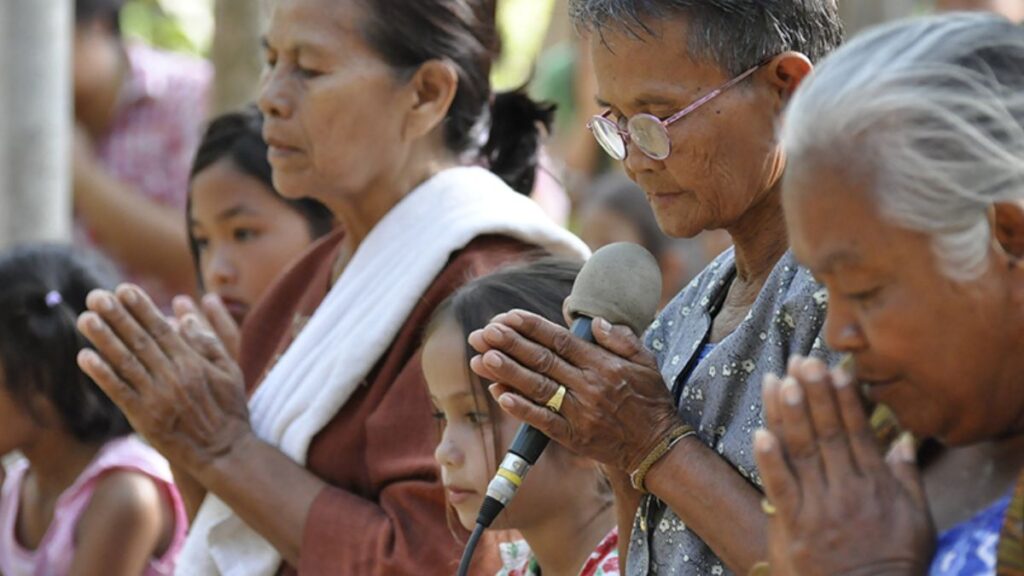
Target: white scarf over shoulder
x: 354, y: 326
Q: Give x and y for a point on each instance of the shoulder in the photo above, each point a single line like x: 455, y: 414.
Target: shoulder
x: 123, y: 502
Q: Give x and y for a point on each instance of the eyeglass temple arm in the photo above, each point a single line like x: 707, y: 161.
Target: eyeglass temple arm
x: 710, y: 95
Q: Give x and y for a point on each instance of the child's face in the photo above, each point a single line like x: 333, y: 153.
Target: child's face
x: 245, y: 236
x: 465, y: 452
x: 16, y: 427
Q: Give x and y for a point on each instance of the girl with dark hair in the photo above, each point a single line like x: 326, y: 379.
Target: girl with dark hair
x: 382, y: 111
x: 241, y: 232
x: 88, y: 498
x: 564, y: 510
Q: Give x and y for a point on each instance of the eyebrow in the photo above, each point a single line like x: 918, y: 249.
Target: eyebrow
x: 641, y: 100
x: 843, y: 257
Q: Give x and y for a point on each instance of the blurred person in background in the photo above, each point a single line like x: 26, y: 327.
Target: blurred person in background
x: 139, y: 114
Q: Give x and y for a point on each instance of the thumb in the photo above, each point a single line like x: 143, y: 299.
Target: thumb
x: 902, y: 461
x: 620, y: 340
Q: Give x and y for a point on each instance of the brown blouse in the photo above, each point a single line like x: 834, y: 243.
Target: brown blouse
x: 383, y: 511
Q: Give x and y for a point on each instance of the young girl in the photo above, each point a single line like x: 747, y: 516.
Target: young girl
x: 88, y: 498
x: 241, y: 232
x: 564, y: 508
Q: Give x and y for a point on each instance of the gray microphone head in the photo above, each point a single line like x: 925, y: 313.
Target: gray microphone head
x: 620, y: 283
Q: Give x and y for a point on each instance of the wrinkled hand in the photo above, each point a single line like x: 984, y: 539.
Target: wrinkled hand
x: 841, y: 509
x: 616, y: 407
x: 215, y: 316
x: 179, y: 389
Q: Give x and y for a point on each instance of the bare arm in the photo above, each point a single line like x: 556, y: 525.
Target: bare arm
x: 714, y: 501
x: 145, y: 236
x: 124, y: 525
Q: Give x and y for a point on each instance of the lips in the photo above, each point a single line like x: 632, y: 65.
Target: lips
x: 278, y: 147
x: 458, y: 495
x: 236, y: 308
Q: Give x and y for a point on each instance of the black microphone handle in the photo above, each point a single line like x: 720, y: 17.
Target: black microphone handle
x: 530, y: 442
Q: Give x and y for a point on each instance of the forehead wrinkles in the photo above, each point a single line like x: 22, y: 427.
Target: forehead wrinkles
x: 627, y: 68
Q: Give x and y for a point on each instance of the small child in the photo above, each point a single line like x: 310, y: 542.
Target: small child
x: 564, y: 510
x: 88, y: 498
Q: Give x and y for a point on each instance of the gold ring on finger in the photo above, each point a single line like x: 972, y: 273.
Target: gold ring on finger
x: 555, y: 403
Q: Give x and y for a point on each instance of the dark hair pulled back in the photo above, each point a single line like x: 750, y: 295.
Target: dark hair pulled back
x: 408, y: 33
x: 43, y: 291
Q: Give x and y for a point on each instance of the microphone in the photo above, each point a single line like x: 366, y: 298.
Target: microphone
x: 620, y: 283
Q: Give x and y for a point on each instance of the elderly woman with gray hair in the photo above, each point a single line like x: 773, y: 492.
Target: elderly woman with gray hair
x: 693, y: 91
x: 905, y: 200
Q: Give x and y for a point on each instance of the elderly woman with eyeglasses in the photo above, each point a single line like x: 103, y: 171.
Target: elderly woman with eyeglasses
x: 905, y: 200
x: 693, y: 92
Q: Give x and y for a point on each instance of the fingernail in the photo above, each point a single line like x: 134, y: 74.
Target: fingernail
x: 129, y: 296
x: 763, y: 440
x: 506, y: 401
x: 905, y: 447
x: 841, y: 378
x: 513, y: 319
x: 495, y: 333
x: 814, y: 371
x: 211, y: 299
x: 493, y: 360
x: 94, y: 323
x: 791, y: 364
x: 105, y: 302
x: 791, y: 392
x: 603, y: 325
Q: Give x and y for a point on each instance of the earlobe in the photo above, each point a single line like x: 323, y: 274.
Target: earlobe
x: 1008, y: 226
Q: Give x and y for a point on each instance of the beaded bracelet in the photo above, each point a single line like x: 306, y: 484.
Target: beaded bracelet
x: 636, y: 477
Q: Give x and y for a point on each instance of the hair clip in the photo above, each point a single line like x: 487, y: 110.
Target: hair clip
x: 53, y: 299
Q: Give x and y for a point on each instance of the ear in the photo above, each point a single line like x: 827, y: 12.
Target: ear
x: 786, y: 71
x: 432, y: 90
x: 1008, y: 224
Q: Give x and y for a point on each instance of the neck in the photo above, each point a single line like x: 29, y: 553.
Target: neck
x: 563, y: 542
x: 760, y: 239
x: 359, y: 213
x: 56, y: 459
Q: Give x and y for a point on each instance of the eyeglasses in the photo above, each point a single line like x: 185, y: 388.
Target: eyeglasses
x: 648, y: 132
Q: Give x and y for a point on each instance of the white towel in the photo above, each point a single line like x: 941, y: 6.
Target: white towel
x: 354, y: 325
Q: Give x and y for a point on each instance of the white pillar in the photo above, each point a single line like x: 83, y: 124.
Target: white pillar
x: 35, y: 120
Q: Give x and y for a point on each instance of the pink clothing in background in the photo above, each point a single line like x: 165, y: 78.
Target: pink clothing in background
x: 156, y: 131
x: 56, y: 550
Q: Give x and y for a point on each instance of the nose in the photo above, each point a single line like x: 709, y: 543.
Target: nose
x: 275, y: 99
x: 221, y: 270
x: 842, y: 331
x: 636, y: 161
x: 447, y: 453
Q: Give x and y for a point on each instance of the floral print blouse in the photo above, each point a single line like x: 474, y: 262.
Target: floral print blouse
x: 603, y: 561
x: 718, y: 389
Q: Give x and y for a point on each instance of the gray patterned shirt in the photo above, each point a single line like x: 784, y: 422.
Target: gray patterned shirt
x: 721, y: 398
